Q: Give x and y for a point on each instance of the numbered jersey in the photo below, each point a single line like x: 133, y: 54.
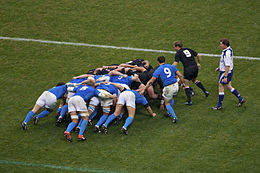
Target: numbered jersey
x: 85, y: 91
x: 167, y: 74
x: 186, y: 56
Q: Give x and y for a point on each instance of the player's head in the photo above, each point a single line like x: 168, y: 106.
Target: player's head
x: 91, y: 81
x: 161, y: 59
x: 146, y: 64
x: 60, y: 83
x: 177, y: 45
x: 224, y: 43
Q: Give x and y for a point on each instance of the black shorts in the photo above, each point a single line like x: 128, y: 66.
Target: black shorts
x: 191, y: 72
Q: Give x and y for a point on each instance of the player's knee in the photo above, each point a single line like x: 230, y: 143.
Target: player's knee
x: 106, y: 110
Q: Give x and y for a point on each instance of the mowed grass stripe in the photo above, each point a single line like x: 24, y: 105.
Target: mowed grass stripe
x: 8, y: 162
x: 114, y: 47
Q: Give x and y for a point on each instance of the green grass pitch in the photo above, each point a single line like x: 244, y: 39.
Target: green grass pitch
x: 202, y: 141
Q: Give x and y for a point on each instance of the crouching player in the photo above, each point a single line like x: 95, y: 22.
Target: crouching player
x: 168, y: 74
x: 129, y: 98
x: 77, y: 104
x: 48, y: 100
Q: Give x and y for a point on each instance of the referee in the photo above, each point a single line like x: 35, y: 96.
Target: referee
x: 191, y: 68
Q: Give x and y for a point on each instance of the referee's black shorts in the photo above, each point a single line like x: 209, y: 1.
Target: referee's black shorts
x: 191, y: 72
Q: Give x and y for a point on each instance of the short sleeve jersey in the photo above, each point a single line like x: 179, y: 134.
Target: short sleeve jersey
x: 186, y: 56
x: 58, y: 91
x: 226, y: 60
x: 109, y: 87
x: 85, y: 91
x: 167, y: 74
x: 121, y: 79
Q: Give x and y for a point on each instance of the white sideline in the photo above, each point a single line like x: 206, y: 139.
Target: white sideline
x: 114, y: 47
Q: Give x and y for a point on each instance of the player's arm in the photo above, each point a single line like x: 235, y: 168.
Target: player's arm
x: 199, y: 60
x: 149, y: 83
x: 175, y: 63
x: 121, y: 88
x: 136, y: 78
x: 142, y: 69
x: 150, y: 111
x: 180, y: 76
x: 114, y: 73
x: 82, y: 76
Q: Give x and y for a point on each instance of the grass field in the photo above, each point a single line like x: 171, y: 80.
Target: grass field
x: 202, y: 141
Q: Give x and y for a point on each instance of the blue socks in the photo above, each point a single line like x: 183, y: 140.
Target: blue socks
x: 220, y: 98
x: 94, y: 113
x: 83, y: 126
x: 70, y: 127
x: 101, y: 120
x: 43, y: 114
x: 28, y: 117
x: 234, y: 91
x: 80, y: 121
x: 109, y: 119
x: 128, y: 121
x: 172, y: 102
x: 170, y: 110
x: 64, y: 110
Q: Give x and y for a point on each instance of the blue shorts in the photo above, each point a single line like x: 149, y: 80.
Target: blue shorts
x: 221, y: 77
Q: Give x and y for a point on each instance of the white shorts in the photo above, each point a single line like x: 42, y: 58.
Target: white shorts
x: 128, y: 98
x: 124, y: 85
x: 69, y: 95
x: 77, y: 103
x: 47, y: 100
x: 94, y: 101
x: 170, y: 91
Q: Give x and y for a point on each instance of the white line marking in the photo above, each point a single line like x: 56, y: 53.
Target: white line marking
x: 114, y: 47
x: 9, y: 162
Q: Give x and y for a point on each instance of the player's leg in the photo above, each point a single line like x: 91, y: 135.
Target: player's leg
x: 235, y: 92
x: 129, y: 120
x: 83, y: 126
x: 220, y: 97
x: 187, y: 92
x: 111, y: 117
x: 103, y: 118
x: 200, y: 85
x: 151, y: 93
x: 71, y: 126
x: 29, y: 116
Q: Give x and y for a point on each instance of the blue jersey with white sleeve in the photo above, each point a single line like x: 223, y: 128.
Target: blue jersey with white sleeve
x: 139, y: 99
x: 167, y: 74
x: 109, y: 87
x: 58, y: 91
x: 85, y: 91
x: 121, y: 79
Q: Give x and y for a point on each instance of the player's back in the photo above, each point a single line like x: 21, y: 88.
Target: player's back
x: 186, y: 56
x: 167, y: 74
x: 85, y: 91
x: 121, y: 79
x: 58, y: 91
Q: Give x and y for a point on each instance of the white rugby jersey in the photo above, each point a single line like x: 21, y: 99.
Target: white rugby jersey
x: 226, y: 59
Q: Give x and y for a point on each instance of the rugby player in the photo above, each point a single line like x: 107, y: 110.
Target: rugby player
x: 191, y: 68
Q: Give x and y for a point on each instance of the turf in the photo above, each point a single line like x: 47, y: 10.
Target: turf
x: 202, y: 141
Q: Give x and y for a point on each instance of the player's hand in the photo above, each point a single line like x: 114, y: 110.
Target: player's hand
x: 141, y: 92
x: 225, y: 80
x: 154, y: 114
x: 161, y: 107
x: 198, y: 65
x: 74, y: 77
x: 125, y: 75
x: 217, y: 69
